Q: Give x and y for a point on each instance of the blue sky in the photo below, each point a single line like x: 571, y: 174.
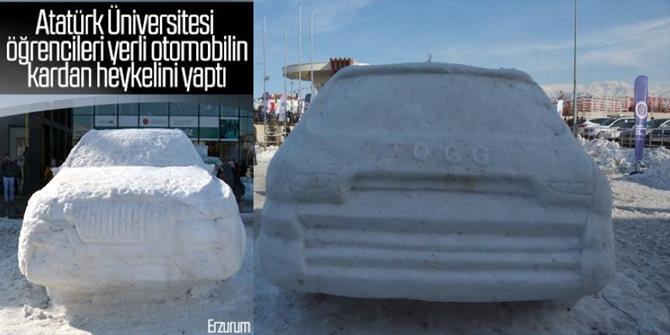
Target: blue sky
x: 617, y: 40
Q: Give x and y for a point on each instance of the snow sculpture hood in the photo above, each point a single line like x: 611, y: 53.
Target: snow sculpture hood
x: 191, y: 186
x: 120, y: 166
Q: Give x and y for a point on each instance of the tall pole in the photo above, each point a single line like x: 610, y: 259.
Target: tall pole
x: 285, y: 97
x: 299, y: 55
x: 574, y: 78
x: 265, y: 78
x: 265, y: 74
x: 311, y: 45
x: 285, y: 56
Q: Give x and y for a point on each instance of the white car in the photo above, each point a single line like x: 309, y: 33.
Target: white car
x: 420, y: 181
x: 590, y: 123
x: 133, y: 210
x: 609, y: 129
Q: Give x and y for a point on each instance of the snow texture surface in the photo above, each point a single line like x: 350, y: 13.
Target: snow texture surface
x: 25, y: 308
x: 637, y: 301
x: 618, y: 162
x: 139, y: 220
x: 134, y: 147
x: 437, y: 192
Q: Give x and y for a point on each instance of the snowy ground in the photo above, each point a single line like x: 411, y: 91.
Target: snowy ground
x: 637, y: 301
x: 26, y: 309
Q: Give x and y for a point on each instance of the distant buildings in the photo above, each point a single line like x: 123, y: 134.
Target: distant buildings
x: 658, y: 104
x: 602, y: 106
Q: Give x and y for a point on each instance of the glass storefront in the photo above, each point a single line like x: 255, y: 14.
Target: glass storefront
x: 223, y: 124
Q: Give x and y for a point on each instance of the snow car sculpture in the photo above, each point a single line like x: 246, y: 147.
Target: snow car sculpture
x: 436, y: 182
x: 131, y: 210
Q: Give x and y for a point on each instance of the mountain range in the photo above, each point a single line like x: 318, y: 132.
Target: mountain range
x: 603, y: 88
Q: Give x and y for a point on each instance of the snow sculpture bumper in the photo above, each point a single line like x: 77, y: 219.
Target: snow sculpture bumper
x: 138, y: 229
x: 450, y: 183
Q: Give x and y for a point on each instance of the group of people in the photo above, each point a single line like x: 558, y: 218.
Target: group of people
x: 10, y: 173
x: 271, y: 116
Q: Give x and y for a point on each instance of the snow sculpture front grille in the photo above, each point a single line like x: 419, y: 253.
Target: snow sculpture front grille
x: 371, y: 247
x: 120, y: 222
x: 502, y: 235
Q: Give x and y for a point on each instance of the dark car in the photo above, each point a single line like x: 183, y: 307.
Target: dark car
x: 627, y: 137
x: 660, y: 136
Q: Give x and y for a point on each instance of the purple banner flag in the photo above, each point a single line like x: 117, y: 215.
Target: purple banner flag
x: 641, y: 85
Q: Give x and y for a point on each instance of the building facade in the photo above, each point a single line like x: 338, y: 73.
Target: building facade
x: 39, y: 131
x: 223, y: 124
x: 601, y: 106
x: 594, y: 107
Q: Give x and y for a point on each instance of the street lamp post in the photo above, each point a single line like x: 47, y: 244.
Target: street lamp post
x: 574, y: 77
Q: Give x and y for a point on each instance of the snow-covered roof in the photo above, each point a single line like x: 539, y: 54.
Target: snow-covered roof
x: 134, y: 147
x: 429, y: 67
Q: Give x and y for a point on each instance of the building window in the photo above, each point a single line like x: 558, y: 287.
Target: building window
x: 105, y: 117
x: 184, y: 116
x: 154, y: 115
x: 82, y: 121
x: 80, y: 125
x: 129, y: 115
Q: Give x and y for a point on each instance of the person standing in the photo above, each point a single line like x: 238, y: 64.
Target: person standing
x: 9, y: 171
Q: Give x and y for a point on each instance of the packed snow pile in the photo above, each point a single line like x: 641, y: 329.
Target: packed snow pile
x: 614, y: 159
x: 657, y: 175
x: 139, y: 219
x: 264, y: 154
x: 608, y: 155
x: 346, y: 210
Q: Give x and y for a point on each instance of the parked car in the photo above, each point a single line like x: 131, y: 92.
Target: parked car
x: 660, y: 136
x: 589, y: 123
x: 132, y: 210
x: 627, y: 136
x: 609, y: 129
x: 429, y: 200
